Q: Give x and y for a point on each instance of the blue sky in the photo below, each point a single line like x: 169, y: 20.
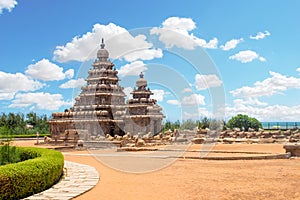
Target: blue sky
x: 246, y: 52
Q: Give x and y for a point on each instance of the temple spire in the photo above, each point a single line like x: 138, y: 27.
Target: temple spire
x: 141, y: 75
x: 102, y: 44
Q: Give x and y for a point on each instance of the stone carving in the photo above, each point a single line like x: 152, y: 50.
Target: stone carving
x: 100, y: 109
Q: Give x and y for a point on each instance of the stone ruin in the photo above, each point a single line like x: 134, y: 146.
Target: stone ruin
x: 100, y: 116
x: 250, y: 136
x: 100, y: 109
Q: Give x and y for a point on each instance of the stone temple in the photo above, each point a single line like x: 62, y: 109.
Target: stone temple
x: 143, y: 114
x: 100, y: 108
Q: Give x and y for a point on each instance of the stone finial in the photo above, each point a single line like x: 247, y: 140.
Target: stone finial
x: 141, y: 75
x: 102, y: 44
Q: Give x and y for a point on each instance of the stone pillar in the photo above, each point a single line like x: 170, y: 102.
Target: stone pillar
x: 152, y: 126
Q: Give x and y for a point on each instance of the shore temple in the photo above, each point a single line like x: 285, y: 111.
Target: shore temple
x: 100, y: 108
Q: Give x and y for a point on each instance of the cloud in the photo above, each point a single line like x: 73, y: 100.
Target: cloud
x: 40, y: 100
x: 132, y: 69
x: 203, y: 82
x: 200, y: 113
x: 250, y: 101
x: 187, y: 90
x: 7, y: 4
x: 6, y: 96
x: 173, y: 102
x: 246, y: 56
x: 179, y: 23
x: 260, y: 35
x: 73, y: 83
x: 231, y: 44
x: 158, y: 94
x: 47, y: 71
x: 10, y: 84
x: 212, y: 44
x: 144, y: 54
x: 264, y: 113
x: 273, y: 85
x: 118, y: 41
x: 262, y: 59
x: 127, y: 91
x: 298, y: 70
x: 193, y: 100
x: 69, y: 73
x: 175, y: 31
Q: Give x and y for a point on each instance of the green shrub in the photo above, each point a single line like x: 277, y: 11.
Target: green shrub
x: 244, y: 122
x: 9, y: 154
x: 26, y: 178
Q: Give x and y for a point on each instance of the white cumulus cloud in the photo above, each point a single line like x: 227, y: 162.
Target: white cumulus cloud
x: 132, y: 69
x: 173, y: 102
x: 298, y: 70
x: 73, y: 83
x: 118, y: 41
x: 127, y: 91
x: 260, y: 35
x: 200, y: 113
x: 246, y: 56
x: 175, y: 31
x: 39, y: 100
x: 48, y: 71
x: 275, y: 84
x: 144, y: 54
x: 231, y: 44
x: 10, y: 84
x: 7, y: 5
x: 158, y: 94
x: 250, y: 101
x: 264, y: 112
x: 212, y: 44
x: 187, y: 90
x: 203, y: 82
x: 262, y: 59
x: 193, y: 100
x: 179, y: 23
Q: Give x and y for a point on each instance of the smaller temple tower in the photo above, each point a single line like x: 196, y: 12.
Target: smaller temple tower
x: 143, y: 114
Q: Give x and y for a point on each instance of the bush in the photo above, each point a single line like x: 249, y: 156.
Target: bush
x: 9, y: 154
x: 244, y: 122
x: 31, y: 176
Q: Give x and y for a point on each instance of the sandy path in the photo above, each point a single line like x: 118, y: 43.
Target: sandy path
x: 200, y: 179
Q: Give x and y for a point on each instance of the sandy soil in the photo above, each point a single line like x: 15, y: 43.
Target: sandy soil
x: 199, y: 179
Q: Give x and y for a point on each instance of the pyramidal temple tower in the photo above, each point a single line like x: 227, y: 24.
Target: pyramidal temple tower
x: 100, y: 108
x: 143, y: 113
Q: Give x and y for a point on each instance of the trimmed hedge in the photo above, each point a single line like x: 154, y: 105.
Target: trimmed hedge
x: 43, y: 169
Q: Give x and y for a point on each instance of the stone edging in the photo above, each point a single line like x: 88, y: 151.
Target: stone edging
x: 77, y: 179
x: 263, y: 157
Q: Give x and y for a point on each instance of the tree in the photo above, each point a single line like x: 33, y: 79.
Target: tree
x: 189, y: 124
x: 244, y: 122
x: 15, y: 123
x: 31, y: 118
x: 171, y: 125
x: 176, y: 124
x: 3, y: 120
x: 204, y: 123
x: 167, y: 125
